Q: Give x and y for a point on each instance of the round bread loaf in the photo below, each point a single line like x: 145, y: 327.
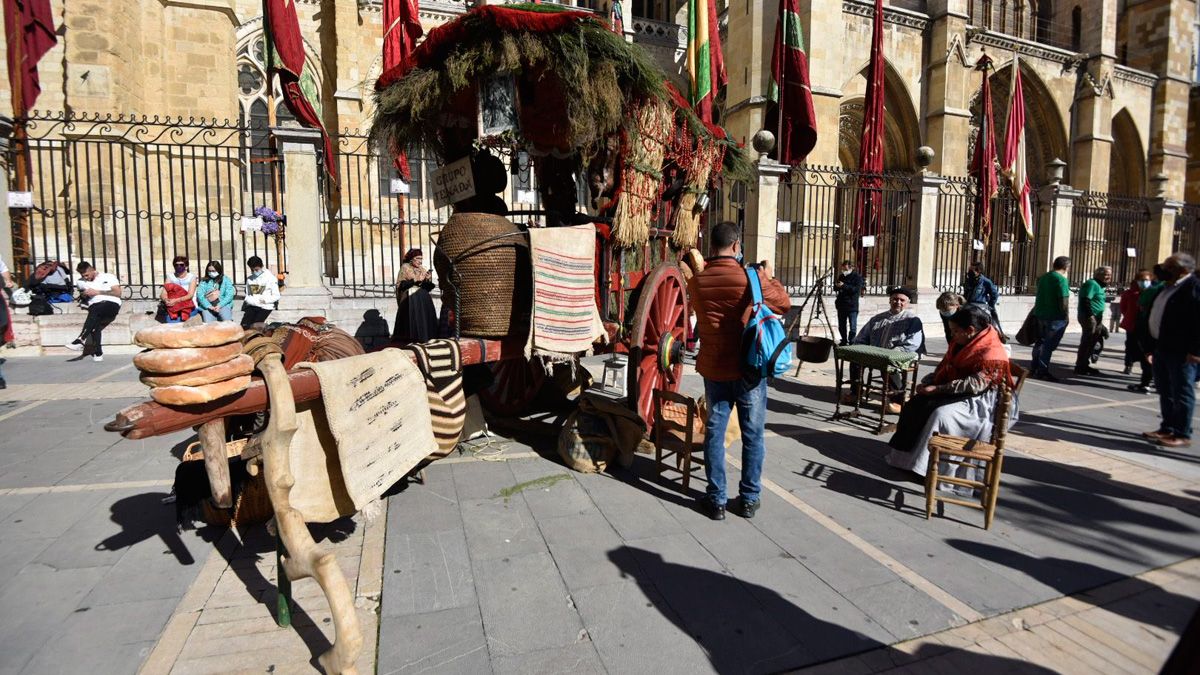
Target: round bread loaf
x: 176, y: 335
x: 187, y: 359
x: 239, y: 365
x: 181, y: 395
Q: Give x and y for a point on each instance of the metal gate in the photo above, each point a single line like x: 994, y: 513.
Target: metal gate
x: 1009, y: 256
x: 1108, y: 231
x: 130, y: 193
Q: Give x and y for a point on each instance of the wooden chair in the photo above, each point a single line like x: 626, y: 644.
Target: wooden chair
x: 678, y: 432
x: 960, y: 451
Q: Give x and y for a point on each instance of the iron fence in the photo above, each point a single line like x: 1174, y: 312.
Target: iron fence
x: 371, y: 223
x: 1108, y: 231
x: 727, y: 202
x: 1009, y: 255
x: 1187, y: 230
x: 816, y: 227
x: 130, y: 193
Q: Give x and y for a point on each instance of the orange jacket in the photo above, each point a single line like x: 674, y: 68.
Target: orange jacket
x: 720, y: 296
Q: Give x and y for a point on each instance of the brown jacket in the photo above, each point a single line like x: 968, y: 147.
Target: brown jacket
x: 721, y: 298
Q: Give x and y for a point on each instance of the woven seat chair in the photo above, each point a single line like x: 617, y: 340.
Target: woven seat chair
x: 678, y: 433
x: 961, y: 451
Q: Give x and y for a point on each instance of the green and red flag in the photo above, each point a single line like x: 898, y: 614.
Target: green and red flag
x: 705, y: 60
x: 301, y: 94
x: 868, y: 216
x: 791, y: 115
x: 983, y: 164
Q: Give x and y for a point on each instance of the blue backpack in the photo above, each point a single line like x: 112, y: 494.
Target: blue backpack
x: 766, y: 350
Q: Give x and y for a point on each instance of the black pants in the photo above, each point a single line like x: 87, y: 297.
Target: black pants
x: 1090, y: 327
x: 847, y: 324
x: 100, y: 314
x: 252, y: 315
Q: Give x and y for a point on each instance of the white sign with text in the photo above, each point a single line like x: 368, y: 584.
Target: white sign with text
x: 1005, y: 246
x: 251, y: 224
x: 453, y: 183
x: 1131, y: 252
x: 868, y: 241
x: 783, y: 227
x: 399, y: 187
x: 20, y: 200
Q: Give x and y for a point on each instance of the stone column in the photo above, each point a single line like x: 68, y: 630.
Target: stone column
x: 762, y: 211
x: 6, y: 235
x: 1160, y: 235
x: 926, y: 188
x: 949, y: 87
x: 305, y: 289
x: 1054, y: 227
x: 1091, y: 149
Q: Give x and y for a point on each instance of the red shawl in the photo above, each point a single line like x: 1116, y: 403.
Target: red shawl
x: 984, y: 354
x: 180, y: 310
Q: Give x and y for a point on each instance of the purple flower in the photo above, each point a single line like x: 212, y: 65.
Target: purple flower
x: 270, y: 226
x: 267, y: 214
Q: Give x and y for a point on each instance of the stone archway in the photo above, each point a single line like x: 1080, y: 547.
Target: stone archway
x: 1127, y: 175
x: 901, y: 129
x: 1045, y: 132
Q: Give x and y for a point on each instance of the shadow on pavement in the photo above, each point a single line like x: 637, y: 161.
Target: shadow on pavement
x: 142, y: 517
x: 744, y: 627
x: 1162, y: 608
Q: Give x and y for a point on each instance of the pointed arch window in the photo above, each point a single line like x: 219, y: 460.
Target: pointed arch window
x: 252, y: 108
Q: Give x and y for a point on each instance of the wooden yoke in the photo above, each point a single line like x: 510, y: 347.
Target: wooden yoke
x: 303, y: 557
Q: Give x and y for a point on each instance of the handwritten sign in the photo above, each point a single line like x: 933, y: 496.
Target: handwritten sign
x: 783, y: 227
x: 378, y: 412
x: 20, y: 200
x: 399, y: 187
x: 868, y: 241
x: 453, y: 183
x: 251, y: 224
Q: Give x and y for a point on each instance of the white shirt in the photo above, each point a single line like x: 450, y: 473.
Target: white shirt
x: 3, y: 266
x: 262, y: 289
x: 1159, y: 308
x: 103, y: 282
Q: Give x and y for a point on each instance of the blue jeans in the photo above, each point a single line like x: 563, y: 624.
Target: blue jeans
x: 847, y: 325
x: 223, y: 314
x: 751, y: 402
x: 1175, y: 379
x: 1052, y: 331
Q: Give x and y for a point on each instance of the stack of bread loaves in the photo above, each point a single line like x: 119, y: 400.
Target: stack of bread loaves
x: 193, y: 363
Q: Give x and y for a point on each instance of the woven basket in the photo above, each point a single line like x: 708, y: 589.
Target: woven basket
x: 253, y: 504
x: 493, y: 276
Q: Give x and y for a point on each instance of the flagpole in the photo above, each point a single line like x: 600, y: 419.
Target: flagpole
x: 272, y: 122
x: 20, y: 138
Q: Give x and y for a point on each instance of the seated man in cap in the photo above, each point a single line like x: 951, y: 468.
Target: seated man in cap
x: 898, y: 328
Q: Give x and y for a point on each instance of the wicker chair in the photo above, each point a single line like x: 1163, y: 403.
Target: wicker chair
x: 678, y: 432
x: 961, y: 451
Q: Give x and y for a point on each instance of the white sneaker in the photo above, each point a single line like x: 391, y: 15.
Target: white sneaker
x: 75, y: 346
x: 97, y: 358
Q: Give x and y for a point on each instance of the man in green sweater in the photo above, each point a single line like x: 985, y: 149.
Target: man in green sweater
x: 1050, y: 310
x: 1091, y: 317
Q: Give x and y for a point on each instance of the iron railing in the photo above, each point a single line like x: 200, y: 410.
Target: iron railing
x: 1008, y: 255
x: 129, y: 193
x: 1108, y: 231
x: 1187, y: 230
x: 727, y: 202
x: 816, y: 226
x: 369, y: 228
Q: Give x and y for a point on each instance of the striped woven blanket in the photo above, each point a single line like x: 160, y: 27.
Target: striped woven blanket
x: 441, y: 363
x: 565, y: 319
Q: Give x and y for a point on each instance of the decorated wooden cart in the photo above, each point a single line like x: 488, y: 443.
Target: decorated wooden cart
x: 600, y: 124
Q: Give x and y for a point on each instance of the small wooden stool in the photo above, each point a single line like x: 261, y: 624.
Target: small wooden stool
x: 677, y: 425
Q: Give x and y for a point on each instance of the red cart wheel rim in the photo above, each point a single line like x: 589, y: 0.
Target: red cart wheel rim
x: 660, y: 329
x: 516, y: 383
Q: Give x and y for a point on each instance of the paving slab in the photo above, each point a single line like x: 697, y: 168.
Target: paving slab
x: 635, y: 631
x: 449, y: 641
x: 426, y: 572
x: 525, y: 605
x: 576, y: 658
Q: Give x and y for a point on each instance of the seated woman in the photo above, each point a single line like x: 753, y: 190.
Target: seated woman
x: 178, y: 292
x: 959, y: 399
x: 215, y: 294
x: 416, y: 320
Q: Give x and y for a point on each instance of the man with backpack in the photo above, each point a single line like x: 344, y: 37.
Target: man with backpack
x: 722, y: 297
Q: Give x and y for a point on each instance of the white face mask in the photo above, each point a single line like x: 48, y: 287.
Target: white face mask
x: 212, y: 275
x: 1144, y: 283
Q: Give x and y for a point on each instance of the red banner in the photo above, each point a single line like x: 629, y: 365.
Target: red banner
x: 29, y: 34
x: 868, y: 216
x: 983, y: 164
x: 791, y: 116
x: 401, y: 30
x: 284, y: 30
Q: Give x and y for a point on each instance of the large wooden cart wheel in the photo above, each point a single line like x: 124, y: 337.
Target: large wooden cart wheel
x: 660, y: 330
x: 517, y: 382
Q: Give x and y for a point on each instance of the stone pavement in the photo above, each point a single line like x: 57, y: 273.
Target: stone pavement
x: 521, y: 565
